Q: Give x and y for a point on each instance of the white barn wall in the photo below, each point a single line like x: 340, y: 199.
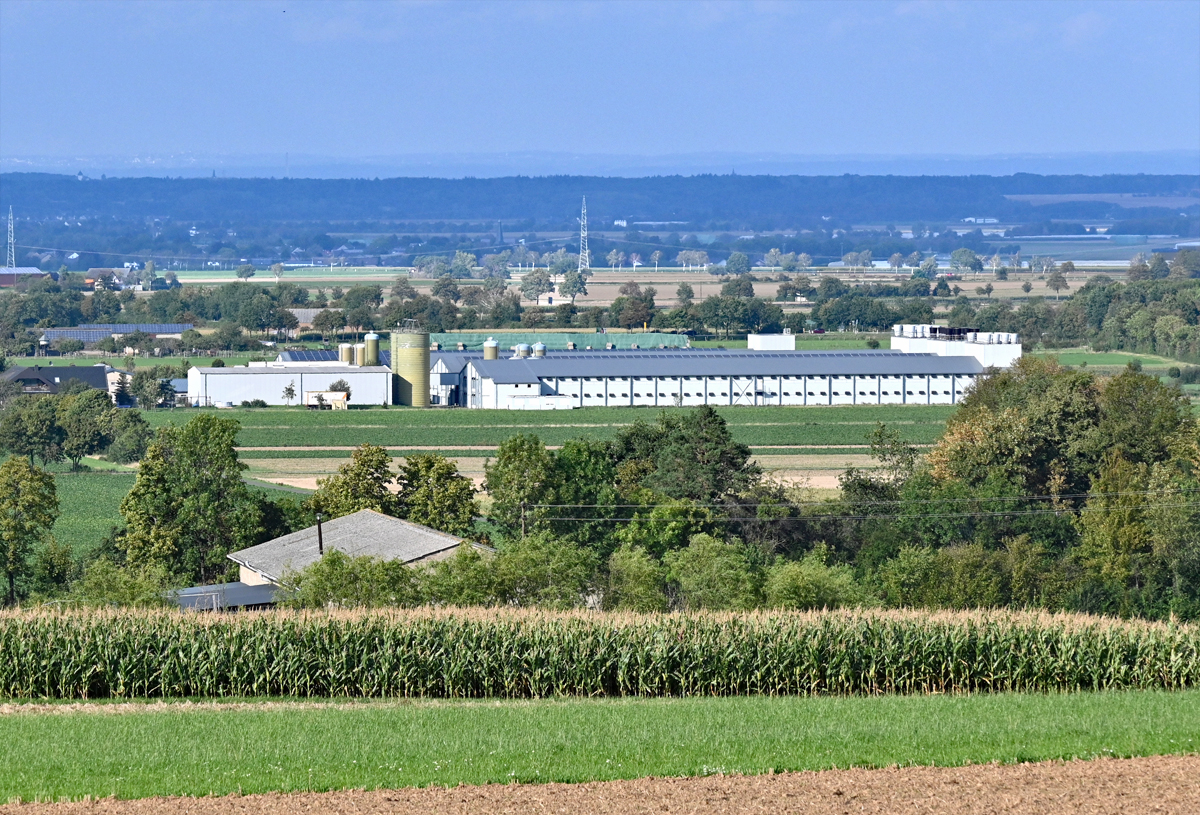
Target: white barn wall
x: 212, y: 386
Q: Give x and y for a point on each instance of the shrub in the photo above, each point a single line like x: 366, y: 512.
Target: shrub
x: 106, y: 584
x: 636, y: 581
x: 712, y: 574
x: 254, y: 403
x: 809, y: 583
x: 542, y: 571
x: 338, y: 580
x: 464, y: 579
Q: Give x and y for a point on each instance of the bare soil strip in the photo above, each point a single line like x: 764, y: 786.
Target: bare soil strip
x: 1161, y: 784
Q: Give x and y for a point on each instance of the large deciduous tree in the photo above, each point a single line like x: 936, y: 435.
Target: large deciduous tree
x: 189, y: 506
x: 520, y: 476
x: 433, y: 493
x: 362, y: 483
x: 28, y: 509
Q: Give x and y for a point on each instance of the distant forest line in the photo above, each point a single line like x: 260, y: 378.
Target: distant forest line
x: 759, y: 202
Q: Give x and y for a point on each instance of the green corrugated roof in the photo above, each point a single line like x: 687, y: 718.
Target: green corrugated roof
x: 557, y: 341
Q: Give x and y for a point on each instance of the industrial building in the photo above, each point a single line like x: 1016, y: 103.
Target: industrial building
x: 993, y: 349
x: 371, y: 383
x: 531, y: 377
x: 666, y: 378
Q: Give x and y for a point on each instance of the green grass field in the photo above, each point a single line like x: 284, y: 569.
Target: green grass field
x: 88, y: 506
x: 172, y: 750
x: 1118, y: 359
x: 406, y: 428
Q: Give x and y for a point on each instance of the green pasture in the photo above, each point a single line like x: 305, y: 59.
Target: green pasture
x: 1076, y: 357
x: 406, y: 428
x: 224, y: 749
x: 88, y: 507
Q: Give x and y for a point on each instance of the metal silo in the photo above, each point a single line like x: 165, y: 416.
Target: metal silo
x: 410, y: 366
x: 372, y: 344
x: 360, y: 354
x: 539, y: 349
x: 346, y: 353
x: 491, y: 349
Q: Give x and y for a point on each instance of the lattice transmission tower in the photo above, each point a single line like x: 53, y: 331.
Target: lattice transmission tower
x: 585, y: 261
x: 11, y: 261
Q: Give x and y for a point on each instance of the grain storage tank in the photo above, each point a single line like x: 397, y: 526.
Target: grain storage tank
x: 491, y: 349
x: 372, y: 344
x: 346, y: 353
x: 539, y: 349
x: 410, y: 367
x: 523, y: 350
x: 360, y: 354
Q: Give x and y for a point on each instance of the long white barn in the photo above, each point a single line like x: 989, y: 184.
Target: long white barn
x: 702, y: 377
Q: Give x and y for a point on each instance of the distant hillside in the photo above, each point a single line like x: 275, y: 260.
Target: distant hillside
x: 787, y: 200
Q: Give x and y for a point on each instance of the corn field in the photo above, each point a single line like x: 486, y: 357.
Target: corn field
x: 530, y: 654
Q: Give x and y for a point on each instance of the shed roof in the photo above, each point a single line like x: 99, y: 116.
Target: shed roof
x: 364, y: 533
x: 723, y: 363
x: 221, y: 596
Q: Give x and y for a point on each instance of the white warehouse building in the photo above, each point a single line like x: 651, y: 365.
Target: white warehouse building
x: 711, y: 377
x: 926, y: 365
x: 224, y: 387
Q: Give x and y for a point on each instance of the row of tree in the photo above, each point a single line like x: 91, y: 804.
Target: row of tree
x: 1050, y: 489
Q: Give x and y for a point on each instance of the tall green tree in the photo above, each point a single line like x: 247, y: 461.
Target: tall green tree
x: 433, y: 493
x: 360, y: 484
x: 29, y: 427
x: 189, y: 506
x: 28, y: 510
x: 699, y: 459
x: 86, y: 420
x: 518, y: 478
x: 573, y: 285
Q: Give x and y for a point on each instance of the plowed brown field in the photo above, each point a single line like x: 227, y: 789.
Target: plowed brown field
x: 1163, y: 784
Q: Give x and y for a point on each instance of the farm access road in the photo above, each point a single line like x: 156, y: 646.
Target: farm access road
x: 1160, y: 784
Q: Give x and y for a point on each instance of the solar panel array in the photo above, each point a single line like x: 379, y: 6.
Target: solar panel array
x: 385, y: 357
x: 81, y: 334
x: 145, y: 328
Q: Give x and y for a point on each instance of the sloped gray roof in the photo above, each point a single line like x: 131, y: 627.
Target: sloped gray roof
x: 365, y: 533
x: 55, y: 376
x: 724, y: 363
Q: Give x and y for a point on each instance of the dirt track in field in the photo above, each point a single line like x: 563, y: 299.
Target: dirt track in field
x: 1162, y: 784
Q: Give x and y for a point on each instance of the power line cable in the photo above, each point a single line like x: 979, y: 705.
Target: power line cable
x: 930, y: 516
x: 898, y: 502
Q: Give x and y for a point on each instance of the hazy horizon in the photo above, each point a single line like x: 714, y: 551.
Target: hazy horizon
x: 1175, y: 162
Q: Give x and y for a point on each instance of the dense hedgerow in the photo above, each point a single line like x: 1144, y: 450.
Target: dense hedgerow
x: 515, y: 654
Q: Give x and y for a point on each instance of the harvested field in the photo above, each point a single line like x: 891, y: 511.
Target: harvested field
x: 1161, y: 784
x: 812, y: 470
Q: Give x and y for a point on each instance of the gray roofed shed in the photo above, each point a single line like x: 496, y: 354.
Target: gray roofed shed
x: 221, y: 596
x: 722, y: 363
x: 363, y: 534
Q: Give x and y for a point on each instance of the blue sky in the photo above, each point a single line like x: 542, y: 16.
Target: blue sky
x: 353, y: 80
